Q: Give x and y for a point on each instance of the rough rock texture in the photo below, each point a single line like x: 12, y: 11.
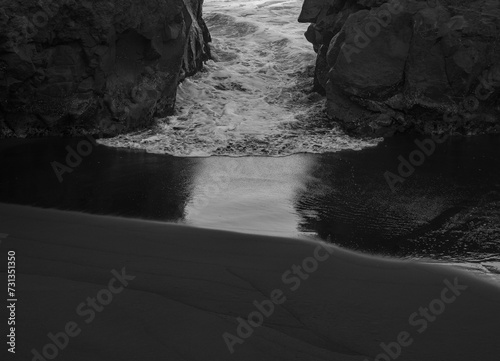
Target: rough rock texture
x: 70, y: 67
x: 388, y: 66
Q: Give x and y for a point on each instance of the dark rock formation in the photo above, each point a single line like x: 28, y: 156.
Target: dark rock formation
x: 386, y: 66
x: 70, y: 67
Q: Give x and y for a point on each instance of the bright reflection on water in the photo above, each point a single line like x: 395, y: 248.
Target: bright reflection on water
x: 254, y: 195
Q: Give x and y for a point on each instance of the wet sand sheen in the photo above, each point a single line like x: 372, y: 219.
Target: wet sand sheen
x: 191, y: 284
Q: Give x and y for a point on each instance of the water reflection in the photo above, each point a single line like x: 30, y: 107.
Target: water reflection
x: 109, y: 181
x: 251, y: 194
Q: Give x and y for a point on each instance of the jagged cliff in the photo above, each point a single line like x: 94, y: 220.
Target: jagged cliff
x: 70, y: 67
x: 389, y: 66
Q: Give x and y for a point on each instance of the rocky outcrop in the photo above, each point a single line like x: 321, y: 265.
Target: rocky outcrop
x: 70, y: 67
x: 387, y: 66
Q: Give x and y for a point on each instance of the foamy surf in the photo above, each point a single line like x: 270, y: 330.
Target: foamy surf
x: 254, y: 97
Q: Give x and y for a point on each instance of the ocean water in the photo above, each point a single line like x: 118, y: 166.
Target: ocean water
x: 254, y: 97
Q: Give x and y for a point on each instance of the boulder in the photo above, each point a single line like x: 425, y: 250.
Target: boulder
x: 386, y: 66
x: 107, y: 66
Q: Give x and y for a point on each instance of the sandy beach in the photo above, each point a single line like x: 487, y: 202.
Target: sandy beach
x: 182, y: 289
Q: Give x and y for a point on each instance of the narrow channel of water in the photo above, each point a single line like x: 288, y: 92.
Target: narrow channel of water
x: 255, y: 97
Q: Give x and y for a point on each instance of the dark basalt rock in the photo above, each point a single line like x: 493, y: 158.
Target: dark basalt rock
x: 387, y: 66
x: 107, y: 66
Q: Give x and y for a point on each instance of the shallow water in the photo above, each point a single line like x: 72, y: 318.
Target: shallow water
x: 255, y: 97
x: 447, y: 211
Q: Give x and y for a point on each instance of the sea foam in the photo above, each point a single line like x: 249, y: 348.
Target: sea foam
x: 254, y: 97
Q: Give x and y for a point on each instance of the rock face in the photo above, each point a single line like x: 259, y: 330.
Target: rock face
x: 70, y: 67
x: 387, y: 66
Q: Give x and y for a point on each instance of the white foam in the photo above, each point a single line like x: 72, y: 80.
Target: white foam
x: 252, y: 99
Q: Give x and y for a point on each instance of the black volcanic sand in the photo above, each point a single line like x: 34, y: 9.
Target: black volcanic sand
x: 127, y: 289
x: 448, y: 209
